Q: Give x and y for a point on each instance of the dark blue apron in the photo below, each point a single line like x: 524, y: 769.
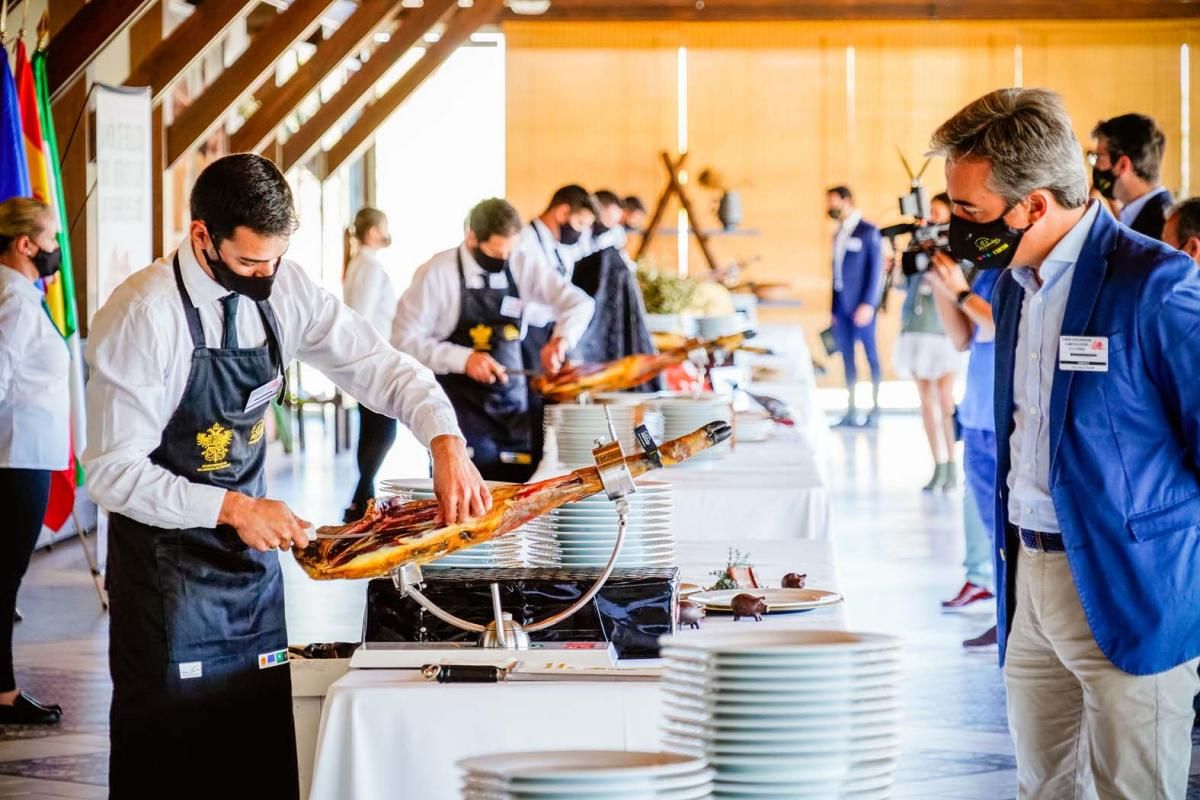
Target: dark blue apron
x: 494, y: 417
x: 198, y: 646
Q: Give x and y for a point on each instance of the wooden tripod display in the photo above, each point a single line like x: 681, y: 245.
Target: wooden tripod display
x: 676, y: 187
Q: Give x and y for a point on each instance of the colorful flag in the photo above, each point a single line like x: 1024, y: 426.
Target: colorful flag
x: 35, y: 156
x: 62, y: 489
x: 14, y: 171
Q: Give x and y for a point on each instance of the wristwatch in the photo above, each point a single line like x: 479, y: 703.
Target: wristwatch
x: 962, y: 297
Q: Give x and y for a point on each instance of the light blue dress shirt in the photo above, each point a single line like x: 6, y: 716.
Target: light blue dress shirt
x: 1042, y: 311
x: 1130, y: 211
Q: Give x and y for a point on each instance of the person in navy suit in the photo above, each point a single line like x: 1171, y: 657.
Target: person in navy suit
x: 1097, y: 400
x: 857, y: 283
x: 1126, y: 160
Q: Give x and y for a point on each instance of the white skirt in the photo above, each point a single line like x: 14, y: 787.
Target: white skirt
x: 926, y: 356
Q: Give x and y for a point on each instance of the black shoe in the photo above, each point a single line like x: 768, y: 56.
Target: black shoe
x: 983, y: 640
x: 848, y: 421
x: 28, y: 711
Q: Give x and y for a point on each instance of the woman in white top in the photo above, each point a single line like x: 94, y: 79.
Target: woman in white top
x: 34, y: 420
x: 368, y: 290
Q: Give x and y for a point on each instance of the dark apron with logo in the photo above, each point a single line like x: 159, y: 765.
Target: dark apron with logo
x: 202, y: 699
x: 494, y: 417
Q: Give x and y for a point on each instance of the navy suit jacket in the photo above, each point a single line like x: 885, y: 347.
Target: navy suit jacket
x: 1153, y: 216
x: 862, y: 270
x: 1124, y: 448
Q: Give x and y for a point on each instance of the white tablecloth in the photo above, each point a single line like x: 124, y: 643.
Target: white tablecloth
x: 386, y: 734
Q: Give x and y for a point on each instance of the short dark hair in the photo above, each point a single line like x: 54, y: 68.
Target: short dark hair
x: 607, y: 199
x: 493, y: 217
x: 575, y: 196
x: 243, y: 190
x: 841, y: 191
x: 943, y: 198
x: 633, y: 203
x: 1136, y: 136
x: 365, y: 219
x: 1189, y: 218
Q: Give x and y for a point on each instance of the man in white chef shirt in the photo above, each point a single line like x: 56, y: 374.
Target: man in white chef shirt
x: 464, y: 316
x: 185, y: 358
x: 368, y: 289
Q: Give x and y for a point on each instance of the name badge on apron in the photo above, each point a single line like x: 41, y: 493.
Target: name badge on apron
x: 264, y: 393
x: 1083, y: 353
x: 511, y: 307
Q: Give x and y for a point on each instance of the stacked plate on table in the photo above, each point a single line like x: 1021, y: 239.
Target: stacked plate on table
x: 753, y: 426
x: 577, y: 427
x: 582, y: 534
x: 682, y: 415
x: 805, y: 715
x: 586, y: 775
x: 506, y: 551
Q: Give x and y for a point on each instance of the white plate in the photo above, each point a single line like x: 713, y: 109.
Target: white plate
x: 776, y: 599
x: 768, y: 641
x: 599, y: 766
x: 781, y: 728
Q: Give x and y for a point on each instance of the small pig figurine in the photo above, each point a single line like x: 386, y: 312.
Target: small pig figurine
x: 794, y: 580
x: 747, y: 605
x: 690, y: 614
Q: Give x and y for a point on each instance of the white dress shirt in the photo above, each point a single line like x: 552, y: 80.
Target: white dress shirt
x: 368, y: 290
x: 35, y: 398
x: 429, y: 309
x: 140, y: 354
x: 1130, y: 211
x: 839, y: 245
x: 538, y: 245
x: 1042, y: 310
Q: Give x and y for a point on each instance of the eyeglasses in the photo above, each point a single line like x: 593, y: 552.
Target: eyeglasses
x: 1093, y: 157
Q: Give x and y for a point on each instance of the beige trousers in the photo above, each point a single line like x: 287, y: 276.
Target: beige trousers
x: 1081, y: 727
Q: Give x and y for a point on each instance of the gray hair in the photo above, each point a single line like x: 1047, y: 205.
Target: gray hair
x: 1189, y: 218
x: 1026, y: 136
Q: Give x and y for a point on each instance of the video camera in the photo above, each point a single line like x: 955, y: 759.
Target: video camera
x: 925, y: 237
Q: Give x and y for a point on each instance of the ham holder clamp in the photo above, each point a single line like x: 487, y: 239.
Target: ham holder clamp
x: 395, y: 538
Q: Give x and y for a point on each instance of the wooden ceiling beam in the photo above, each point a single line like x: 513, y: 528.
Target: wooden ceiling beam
x: 88, y: 32
x: 275, y: 103
x: 458, y: 30
x: 357, y: 90
x: 774, y: 10
x: 172, y: 56
x: 198, y: 120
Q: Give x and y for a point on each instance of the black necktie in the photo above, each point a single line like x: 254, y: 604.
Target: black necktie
x: 230, y: 303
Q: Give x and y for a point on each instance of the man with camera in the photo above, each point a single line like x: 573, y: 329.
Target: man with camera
x: 1097, y: 540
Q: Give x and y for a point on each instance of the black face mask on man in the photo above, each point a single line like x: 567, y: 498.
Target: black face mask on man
x: 255, y: 288
x: 567, y: 234
x: 834, y: 213
x: 490, y: 264
x: 987, y: 245
x: 47, y: 262
x: 1105, y: 182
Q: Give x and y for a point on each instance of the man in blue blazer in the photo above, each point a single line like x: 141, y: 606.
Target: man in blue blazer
x: 1098, y: 458
x: 857, y: 278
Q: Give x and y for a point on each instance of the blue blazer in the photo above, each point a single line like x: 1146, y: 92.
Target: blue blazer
x: 1124, y: 449
x: 862, y: 270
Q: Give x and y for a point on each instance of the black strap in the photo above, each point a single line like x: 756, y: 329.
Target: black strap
x: 562, y: 268
x: 189, y: 310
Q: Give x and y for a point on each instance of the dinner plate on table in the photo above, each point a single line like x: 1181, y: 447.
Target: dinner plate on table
x: 777, y: 600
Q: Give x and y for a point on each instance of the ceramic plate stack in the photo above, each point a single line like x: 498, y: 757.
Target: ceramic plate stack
x: 804, y: 715
x: 576, y: 428
x: 682, y: 415
x: 503, y: 552
x: 586, y: 775
x: 582, y: 534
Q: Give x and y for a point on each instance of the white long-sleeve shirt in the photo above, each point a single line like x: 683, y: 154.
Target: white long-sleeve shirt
x: 428, y: 310
x: 368, y: 290
x: 35, y: 399
x: 140, y: 354
x: 538, y: 245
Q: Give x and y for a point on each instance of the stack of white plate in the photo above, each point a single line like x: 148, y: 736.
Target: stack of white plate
x: 805, y: 715
x: 576, y: 428
x: 506, y: 551
x: 683, y: 415
x: 753, y: 426
x: 586, y: 775
x: 582, y: 534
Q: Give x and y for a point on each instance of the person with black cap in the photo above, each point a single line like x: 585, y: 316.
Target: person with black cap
x: 185, y: 357
x: 464, y: 316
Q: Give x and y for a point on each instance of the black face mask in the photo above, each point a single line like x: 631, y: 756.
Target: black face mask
x: 568, y: 234
x: 257, y: 289
x: 599, y: 229
x: 987, y: 245
x: 47, y: 262
x: 489, y: 263
x: 834, y: 213
x: 1105, y: 181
